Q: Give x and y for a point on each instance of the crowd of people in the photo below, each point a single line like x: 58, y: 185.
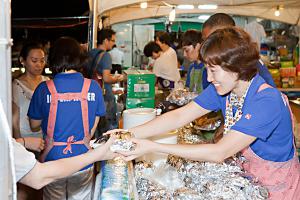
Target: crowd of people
x: 59, y: 117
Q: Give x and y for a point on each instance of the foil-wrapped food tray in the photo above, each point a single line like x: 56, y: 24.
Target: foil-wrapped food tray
x: 181, y: 97
x: 202, y: 181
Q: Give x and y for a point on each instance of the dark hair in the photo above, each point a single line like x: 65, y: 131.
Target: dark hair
x: 233, y: 50
x: 191, y: 37
x: 219, y: 20
x: 150, y: 48
x: 103, y: 34
x: 163, y: 37
x: 66, y: 54
x: 27, y: 47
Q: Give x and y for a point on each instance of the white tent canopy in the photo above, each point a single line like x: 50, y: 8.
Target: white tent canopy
x: 124, y: 10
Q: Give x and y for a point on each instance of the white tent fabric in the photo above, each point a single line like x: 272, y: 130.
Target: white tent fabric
x: 125, y: 10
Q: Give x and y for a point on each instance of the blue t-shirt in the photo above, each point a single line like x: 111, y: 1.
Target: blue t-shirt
x: 104, y: 64
x: 197, y: 66
x: 69, y: 117
x: 265, y: 74
x: 266, y: 116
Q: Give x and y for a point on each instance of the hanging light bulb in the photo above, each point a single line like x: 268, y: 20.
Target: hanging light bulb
x: 277, y: 12
x: 144, y: 5
x: 172, y: 15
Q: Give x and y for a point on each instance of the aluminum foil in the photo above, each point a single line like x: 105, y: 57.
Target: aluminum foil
x: 181, y: 97
x: 202, y: 180
x: 189, y: 135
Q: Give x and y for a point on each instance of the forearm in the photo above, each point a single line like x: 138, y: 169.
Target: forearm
x: 45, y: 173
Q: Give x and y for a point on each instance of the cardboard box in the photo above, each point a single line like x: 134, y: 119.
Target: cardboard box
x: 140, y: 84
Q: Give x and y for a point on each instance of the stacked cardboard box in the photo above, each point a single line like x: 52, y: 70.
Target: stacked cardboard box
x: 140, y: 89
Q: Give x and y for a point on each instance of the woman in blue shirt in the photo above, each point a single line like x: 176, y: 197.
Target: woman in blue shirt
x: 257, y: 117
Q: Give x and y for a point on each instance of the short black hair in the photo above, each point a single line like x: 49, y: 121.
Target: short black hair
x: 103, y: 34
x: 150, y: 48
x: 66, y: 54
x: 233, y: 49
x: 163, y: 37
x: 219, y: 20
x: 191, y: 37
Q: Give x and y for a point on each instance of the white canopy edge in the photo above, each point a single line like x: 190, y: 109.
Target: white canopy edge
x: 121, y: 11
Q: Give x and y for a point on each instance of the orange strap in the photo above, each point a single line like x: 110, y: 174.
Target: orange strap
x: 55, y: 98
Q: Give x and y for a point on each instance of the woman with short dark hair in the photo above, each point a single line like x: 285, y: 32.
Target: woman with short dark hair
x: 67, y: 109
x: 258, y: 121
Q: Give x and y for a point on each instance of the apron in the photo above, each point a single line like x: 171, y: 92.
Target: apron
x: 55, y: 98
x: 196, y: 80
x: 282, y: 179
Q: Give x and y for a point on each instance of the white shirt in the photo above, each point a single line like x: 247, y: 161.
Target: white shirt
x: 166, y: 66
x: 256, y: 31
x: 21, y: 96
x: 24, y: 160
x: 117, y: 56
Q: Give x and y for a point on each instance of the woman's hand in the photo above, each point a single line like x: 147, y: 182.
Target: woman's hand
x: 103, y: 152
x: 34, y: 144
x: 142, y: 147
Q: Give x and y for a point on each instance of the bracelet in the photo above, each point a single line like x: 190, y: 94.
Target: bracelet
x: 24, y: 144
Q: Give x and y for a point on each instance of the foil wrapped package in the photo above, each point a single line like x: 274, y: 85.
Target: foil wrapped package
x: 181, y: 97
x: 202, y: 180
x: 122, y: 142
x: 189, y: 135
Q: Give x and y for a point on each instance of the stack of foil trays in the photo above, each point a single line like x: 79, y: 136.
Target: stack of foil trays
x: 202, y: 181
x: 181, y: 97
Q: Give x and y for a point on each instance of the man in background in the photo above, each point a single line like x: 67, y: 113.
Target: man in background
x: 117, y: 57
x: 222, y: 20
x: 101, y: 65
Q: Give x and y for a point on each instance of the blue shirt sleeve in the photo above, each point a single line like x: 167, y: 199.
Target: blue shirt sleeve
x: 35, y: 110
x: 205, y: 82
x: 265, y: 74
x: 209, y: 99
x: 105, y: 63
x: 188, y: 78
x: 262, y: 116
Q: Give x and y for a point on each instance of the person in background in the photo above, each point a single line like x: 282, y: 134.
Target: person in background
x: 117, y: 58
x: 32, y: 58
x: 196, y: 79
x: 165, y: 66
x: 67, y: 109
x: 222, y: 20
x: 102, y: 67
x: 258, y: 120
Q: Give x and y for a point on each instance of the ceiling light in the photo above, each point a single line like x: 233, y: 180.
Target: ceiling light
x: 277, y: 12
x: 203, y: 17
x: 172, y: 15
x: 208, y: 7
x: 144, y: 5
x: 185, y: 7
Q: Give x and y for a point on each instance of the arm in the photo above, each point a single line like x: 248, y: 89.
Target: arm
x: 45, y: 173
x: 169, y: 121
x: 35, y: 124
x: 109, y: 78
x: 16, y: 120
x: 95, y: 126
x: 229, y: 145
